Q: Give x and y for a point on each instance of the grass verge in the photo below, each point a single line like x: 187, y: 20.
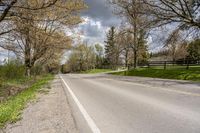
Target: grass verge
x: 192, y: 74
x: 95, y: 71
x: 10, y: 110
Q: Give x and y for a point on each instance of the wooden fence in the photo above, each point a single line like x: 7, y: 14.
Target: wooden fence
x: 180, y: 63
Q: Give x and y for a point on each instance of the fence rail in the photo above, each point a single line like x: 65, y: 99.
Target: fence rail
x: 158, y: 64
x: 184, y: 63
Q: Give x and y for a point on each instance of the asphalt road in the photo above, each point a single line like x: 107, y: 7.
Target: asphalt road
x: 138, y: 105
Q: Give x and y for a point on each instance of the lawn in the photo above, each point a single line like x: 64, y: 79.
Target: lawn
x: 95, y: 71
x: 192, y: 74
x: 10, y: 110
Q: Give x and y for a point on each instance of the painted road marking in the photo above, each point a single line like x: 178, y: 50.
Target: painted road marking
x: 89, y: 120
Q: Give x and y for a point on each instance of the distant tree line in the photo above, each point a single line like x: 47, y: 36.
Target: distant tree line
x: 118, y: 51
x: 182, y: 51
x: 84, y: 57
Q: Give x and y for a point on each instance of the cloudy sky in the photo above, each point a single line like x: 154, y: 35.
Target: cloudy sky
x: 98, y: 18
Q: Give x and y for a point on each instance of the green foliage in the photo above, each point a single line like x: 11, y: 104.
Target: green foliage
x: 99, y: 55
x: 10, y: 110
x: 12, y: 70
x: 37, y: 70
x: 82, y: 58
x: 99, y: 49
x: 95, y: 71
x: 173, y: 73
x: 143, y: 54
x: 65, y: 68
x: 110, y: 47
x: 194, y: 50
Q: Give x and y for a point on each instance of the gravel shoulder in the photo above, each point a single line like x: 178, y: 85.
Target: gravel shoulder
x: 51, y: 113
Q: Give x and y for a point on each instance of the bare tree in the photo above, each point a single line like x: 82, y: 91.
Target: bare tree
x: 134, y: 11
x: 82, y: 58
x: 182, y: 15
x: 185, y: 12
x: 36, y: 33
x: 10, y: 9
x: 5, y: 7
x: 125, y: 39
x: 176, y: 45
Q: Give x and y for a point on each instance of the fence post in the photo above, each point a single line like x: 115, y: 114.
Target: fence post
x: 165, y: 63
x: 128, y: 67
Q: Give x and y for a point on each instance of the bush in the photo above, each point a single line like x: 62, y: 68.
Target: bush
x: 12, y: 70
x: 37, y: 70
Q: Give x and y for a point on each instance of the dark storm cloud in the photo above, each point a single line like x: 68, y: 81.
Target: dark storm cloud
x: 99, y: 17
x: 100, y: 10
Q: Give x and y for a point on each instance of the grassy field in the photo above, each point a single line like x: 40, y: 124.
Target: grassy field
x: 10, y: 110
x: 95, y: 71
x: 192, y: 74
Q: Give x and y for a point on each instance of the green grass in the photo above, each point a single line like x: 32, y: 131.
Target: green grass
x: 10, y: 110
x: 173, y: 67
x: 20, y: 83
x: 192, y: 74
x: 95, y: 71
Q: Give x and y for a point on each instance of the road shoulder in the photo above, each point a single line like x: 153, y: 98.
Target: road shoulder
x: 50, y: 114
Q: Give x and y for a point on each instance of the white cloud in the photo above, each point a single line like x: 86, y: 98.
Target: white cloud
x: 91, y: 31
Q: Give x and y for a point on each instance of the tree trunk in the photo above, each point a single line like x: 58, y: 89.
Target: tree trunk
x: 28, y: 71
x: 135, y: 40
x: 28, y: 54
x: 126, y: 58
x: 135, y: 59
x: 117, y: 61
x: 28, y: 64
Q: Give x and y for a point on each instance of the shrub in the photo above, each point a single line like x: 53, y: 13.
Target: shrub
x: 12, y: 70
x: 37, y: 70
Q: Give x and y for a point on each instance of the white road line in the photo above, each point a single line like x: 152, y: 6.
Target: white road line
x: 89, y: 120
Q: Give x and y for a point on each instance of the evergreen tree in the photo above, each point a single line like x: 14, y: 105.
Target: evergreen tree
x: 110, y: 47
